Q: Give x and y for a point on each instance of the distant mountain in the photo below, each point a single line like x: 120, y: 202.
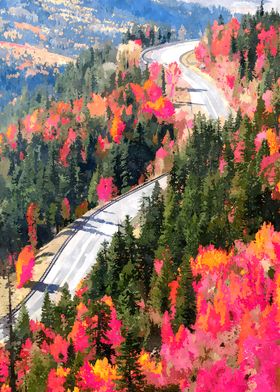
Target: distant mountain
x: 67, y: 26
x: 37, y: 37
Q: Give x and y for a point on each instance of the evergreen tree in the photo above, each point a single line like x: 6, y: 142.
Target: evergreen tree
x: 159, y: 36
x: 185, y: 300
x: 99, y: 333
x: 261, y: 11
x: 252, y: 54
x: 81, y: 177
x: 172, y: 234
x: 233, y: 45
x: 98, y: 277
x: 129, y: 292
x: 92, y: 195
x: 22, y: 328
x: 116, y: 261
x: 129, y: 240
x: 152, y: 221
x: 163, y: 81
x: 126, y: 180
x: 152, y: 36
x: 139, y: 154
x: 221, y: 20
x: 21, y: 144
x: 160, y: 290
x: 47, y: 315
x: 131, y: 378
x: 242, y: 65
x: 115, y: 156
x: 36, y: 378
x: 64, y: 313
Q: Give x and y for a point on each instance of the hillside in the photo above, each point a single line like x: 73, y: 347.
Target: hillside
x: 192, y: 302
x: 68, y: 26
x: 37, y: 38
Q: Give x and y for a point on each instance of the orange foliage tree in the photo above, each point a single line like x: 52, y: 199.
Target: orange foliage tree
x: 24, y: 265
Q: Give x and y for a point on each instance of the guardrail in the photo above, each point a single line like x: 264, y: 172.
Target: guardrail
x: 75, y: 231
x: 147, y: 50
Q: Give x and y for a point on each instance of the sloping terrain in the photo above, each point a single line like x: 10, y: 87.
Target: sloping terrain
x: 67, y: 26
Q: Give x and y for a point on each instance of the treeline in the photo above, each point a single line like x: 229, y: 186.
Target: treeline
x: 93, y: 71
x: 20, y: 94
x: 41, y: 178
x: 257, y: 36
x: 78, y: 79
x: 150, y: 35
x: 247, y: 44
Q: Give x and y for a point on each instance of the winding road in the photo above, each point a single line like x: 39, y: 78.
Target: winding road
x: 202, y: 91
x: 77, y: 255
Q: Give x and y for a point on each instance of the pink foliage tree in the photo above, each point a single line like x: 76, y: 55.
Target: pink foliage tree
x: 105, y: 189
x: 172, y: 74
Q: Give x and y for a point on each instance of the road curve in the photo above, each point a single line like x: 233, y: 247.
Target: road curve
x: 202, y: 91
x: 77, y: 255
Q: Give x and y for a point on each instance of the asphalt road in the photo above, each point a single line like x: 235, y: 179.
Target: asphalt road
x: 77, y: 255
x: 202, y: 92
x: 75, y: 259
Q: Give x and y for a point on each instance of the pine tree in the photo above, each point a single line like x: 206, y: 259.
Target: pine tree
x: 115, y: 156
x: 160, y: 291
x: 172, y: 233
x: 129, y: 293
x: 242, y: 67
x: 22, y: 329
x: 81, y: 177
x: 221, y: 20
x: 152, y: 36
x: 116, y: 261
x: 65, y: 308
x: 252, y: 54
x: 139, y: 154
x: 92, y: 195
x: 98, y: 333
x: 36, y: 378
x: 124, y: 172
x: 21, y: 144
x: 185, y: 300
x: 131, y: 378
x: 261, y: 11
x: 151, y: 229
x: 190, y: 215
x: 153, y: 219
x: 233, y: 45
x: 129, y: 240
x: 159, y: 36
x: 11, y: 343
x: 163, y: 81
x: 47, y: 315
x: 98, y: 276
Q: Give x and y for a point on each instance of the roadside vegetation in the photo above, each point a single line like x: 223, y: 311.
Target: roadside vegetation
x: 192, y: 303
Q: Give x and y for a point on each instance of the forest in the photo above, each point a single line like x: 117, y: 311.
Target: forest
x: 192, y: 301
